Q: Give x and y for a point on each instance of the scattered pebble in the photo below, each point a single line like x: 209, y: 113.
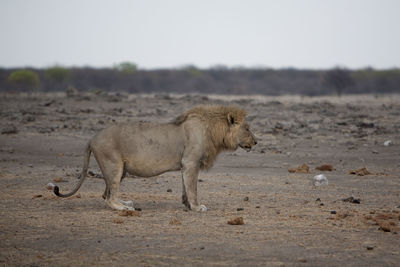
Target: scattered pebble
x: 127, y: 213
x: 361, y: 172
x: 246, y: 199
x: 319, y: 180
x: 37, y: 196
x: 10, y: 129
x: 385, y: 226
x: 118, y: 221
x: 352, y: 200
x: 236, y: 221
x: 239, y: 209
x: 333, y: 212
x: 388, y: 143
x: 169, y: 190
x: 301, y: 169
x: 175, y: 221
x: 59, y: 180
x: 325, y: 167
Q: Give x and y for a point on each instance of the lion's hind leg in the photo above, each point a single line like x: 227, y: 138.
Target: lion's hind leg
x: 112, y: 169
x: 106, y: 193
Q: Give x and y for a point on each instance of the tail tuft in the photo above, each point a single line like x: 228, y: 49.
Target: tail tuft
x: 57, y: 191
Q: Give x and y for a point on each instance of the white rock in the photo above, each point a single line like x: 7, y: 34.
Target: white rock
x: 388, y: 143
x: 319, y: 180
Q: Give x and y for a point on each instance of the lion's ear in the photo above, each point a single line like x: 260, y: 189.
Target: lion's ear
x: 231, y: 119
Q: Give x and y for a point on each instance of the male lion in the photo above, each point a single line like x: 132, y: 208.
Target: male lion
x: 189, y: 143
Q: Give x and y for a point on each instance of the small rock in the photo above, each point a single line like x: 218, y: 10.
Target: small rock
x: 236, y: 221
x: 325, y: 167
x: 118, y: 221
x: 169, y: 190
x: 246, y: 199
x: 370, y: 248
x: 127, y: 213
x: 352, y: 200
x: 10, y: 129
x: 385, y: 226
x: 361, y: 172
x: 59, y: 180
x: 49, y: 103
x: 388, y: 143
x: 319, y: 180
x: 175, y: 221
x: 333, y: 212
x: 239, y: 209
x: 301, y: 169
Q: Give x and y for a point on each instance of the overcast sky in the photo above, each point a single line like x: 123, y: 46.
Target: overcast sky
x: 172, y: 33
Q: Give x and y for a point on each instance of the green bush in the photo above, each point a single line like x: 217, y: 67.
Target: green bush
x: 58, y: 74
x: 126, y: 67
x: 24, y: 79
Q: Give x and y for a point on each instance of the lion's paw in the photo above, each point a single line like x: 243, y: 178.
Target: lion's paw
x: 129, y: 203
x: 128, y: 208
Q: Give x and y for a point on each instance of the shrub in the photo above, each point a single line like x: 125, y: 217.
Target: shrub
x: 58, y: 74
x: 24, y: 79
x: 126, y: 67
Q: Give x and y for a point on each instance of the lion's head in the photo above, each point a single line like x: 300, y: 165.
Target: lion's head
x: 226, y: 129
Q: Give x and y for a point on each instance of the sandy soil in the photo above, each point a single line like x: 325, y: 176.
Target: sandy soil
x: 287, y: 220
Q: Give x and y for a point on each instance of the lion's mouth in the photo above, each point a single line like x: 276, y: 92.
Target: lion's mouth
x: 247, y: 148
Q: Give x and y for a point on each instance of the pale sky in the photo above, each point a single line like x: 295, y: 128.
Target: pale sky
x: 173, y: 33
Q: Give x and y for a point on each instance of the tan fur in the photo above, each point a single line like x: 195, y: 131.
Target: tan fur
x: 218, y: 137
x: 189, y: 143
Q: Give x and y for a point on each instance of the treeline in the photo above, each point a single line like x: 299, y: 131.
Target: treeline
x: 220, y: 80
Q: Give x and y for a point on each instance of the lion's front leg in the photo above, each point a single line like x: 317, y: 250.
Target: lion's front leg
x: 190, y: 173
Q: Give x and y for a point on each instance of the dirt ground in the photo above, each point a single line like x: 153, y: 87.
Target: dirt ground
x: 287, y: 220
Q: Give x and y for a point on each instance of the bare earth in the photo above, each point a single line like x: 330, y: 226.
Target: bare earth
x: 287, y: 220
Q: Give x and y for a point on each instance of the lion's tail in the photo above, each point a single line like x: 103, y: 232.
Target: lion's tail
x: 82, y: 177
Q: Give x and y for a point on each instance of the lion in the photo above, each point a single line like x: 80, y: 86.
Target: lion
x: 189, y: 143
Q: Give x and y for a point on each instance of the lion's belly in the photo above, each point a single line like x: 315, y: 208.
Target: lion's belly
x: 141, y: 169
x: 149, y: 153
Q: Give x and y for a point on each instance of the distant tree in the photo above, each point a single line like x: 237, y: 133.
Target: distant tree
x: 339, y: 79
x: 24, y: 79
x: 58, y: 74
x: 58, y: 77
x: 126, y: 67
x: 192, y: 70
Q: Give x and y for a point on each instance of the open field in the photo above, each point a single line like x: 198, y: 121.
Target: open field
x: 287, y: 220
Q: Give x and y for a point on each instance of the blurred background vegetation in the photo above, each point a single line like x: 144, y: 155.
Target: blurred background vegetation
x: 127, y: 77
